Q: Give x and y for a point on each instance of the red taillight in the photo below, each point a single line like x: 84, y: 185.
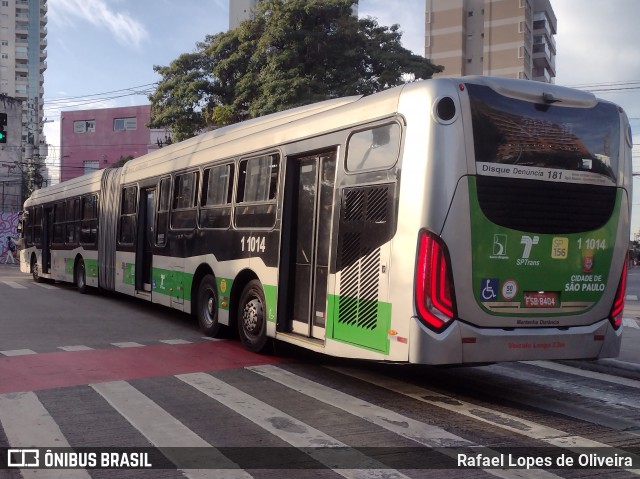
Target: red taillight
x: 435, y: 299
x: 618, y: 303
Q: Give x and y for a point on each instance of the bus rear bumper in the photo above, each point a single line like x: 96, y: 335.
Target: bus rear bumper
x: 464, y: 343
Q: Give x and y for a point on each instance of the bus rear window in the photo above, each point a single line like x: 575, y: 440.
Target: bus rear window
x: 509, y: 131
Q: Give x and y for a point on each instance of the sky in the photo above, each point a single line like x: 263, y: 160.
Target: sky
x: 101, y: 53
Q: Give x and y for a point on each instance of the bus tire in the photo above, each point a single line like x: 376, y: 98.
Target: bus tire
x: 207, y: 306
x: 252, y: 317
x: 35, y: 270
x: 81, y: 277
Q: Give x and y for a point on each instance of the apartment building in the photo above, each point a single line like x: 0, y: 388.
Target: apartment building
x: 23, y: 43
x: 507, y: 38
x: 241, y: 10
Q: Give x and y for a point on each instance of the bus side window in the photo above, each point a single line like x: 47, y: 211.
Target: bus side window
x: 217, y: 187
x: 58, y: 222
x: 37, y: 226
x: 374, y: 149
x: 257, y: 189
x: 128, y: 212
x: 184, y: 213
x: 71, y: 227
x: 162, y: 217
x: 29, y: 218
x: 88, y: 220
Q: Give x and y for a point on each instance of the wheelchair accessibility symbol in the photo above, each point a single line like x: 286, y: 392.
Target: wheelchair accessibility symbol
x: 489, y: 288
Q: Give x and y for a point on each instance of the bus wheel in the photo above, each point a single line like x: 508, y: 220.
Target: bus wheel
x: 35, y: 271
x: 207, y: 307
x: 252, y: 320
x: 81, y: 277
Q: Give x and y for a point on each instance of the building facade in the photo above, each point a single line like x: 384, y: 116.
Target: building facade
x: 507, y: 38
x: 241, y: 10
x: 11, y: 168
x: 23, y: 43
x: 95, y: 139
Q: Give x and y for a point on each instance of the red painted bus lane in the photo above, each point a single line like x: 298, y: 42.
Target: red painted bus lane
x: 61, y: 369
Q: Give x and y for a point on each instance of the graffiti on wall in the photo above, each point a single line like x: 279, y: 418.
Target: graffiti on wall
x: 8, y: 227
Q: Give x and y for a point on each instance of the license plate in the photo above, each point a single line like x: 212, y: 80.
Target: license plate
x: 540, y: 299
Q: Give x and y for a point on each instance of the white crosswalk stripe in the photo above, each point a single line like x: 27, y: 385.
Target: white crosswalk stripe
x: 159, y: 427
x: 27, y: 423
x: 546, y: 434
x: 14, y: 284
x: 295, y: 432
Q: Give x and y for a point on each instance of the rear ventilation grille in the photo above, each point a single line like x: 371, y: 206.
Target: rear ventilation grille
x: 544, y: 206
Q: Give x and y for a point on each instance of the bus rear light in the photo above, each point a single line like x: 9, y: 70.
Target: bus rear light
x: 618, y: 303
x: 434, y: 293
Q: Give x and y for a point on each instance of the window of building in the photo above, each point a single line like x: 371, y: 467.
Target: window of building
x: 5, y: 43
x: 256, y: 195
x: 84, y: 126
x: 125, y: 124
x: 521, y: 27
x: 5, y: 56
x: 470, y: 14
x: 184, y: 213
x: 90, y: 166
x: 128, y: 210
x: 5, y: 3
x: 520, y: 52
x: 217, y: 187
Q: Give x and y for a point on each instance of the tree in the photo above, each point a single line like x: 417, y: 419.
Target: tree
x: 293, y: 53
x: 122, y: 160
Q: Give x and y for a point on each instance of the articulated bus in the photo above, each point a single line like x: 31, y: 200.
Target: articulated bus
x: 448, y: 221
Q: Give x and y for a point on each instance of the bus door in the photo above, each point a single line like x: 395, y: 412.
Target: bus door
x: 309, y: 206
x: 47, y: 238
x: 145, y: 240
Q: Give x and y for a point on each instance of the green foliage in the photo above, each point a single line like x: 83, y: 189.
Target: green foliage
x: 293, y: 53
x: 122, y: 160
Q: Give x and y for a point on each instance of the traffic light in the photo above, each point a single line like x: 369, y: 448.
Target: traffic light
x: 3, y: 127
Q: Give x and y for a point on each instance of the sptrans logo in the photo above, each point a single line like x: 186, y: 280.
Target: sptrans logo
x: 528, y: 243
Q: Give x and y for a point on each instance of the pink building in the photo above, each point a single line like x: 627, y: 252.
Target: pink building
x: 95, y: 139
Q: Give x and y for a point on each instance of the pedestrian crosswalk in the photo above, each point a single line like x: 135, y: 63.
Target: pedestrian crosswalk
x: 314, y: 411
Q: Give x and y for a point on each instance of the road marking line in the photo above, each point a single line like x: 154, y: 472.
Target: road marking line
x: 632, y: 383
x: 630, y: 323
x: 296, y: 433
x: 75, y: 348
x: 14, y: 284
x: 161, y: 428
x: 425, y: 434
x: 128, y: 344
x: 18, y: 352
x: 45, y: 285
x: 208, y: 338
x: 524, y: 427
x: 175, y: 341
x: 27, y: 423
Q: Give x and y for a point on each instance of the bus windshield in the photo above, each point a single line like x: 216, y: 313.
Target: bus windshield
x: 509, y: 131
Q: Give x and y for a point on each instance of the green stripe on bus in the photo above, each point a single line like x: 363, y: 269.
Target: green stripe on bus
x: 90, y: 267
x: 359, y: 322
